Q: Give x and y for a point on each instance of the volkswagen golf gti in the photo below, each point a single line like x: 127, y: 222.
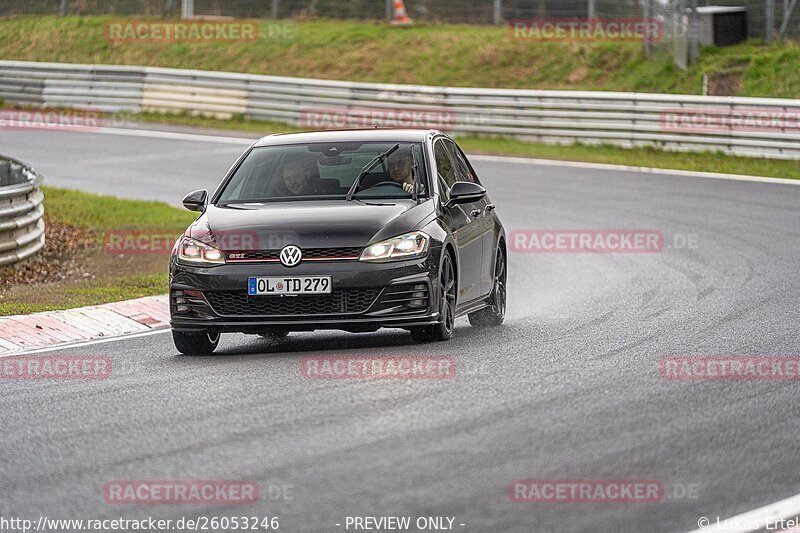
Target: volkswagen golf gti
x: 353, y: 230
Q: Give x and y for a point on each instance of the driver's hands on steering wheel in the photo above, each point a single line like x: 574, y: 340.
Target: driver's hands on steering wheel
x: 408, y: 187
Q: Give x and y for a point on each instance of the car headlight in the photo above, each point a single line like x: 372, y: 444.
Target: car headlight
x: 408, y: 246
x: 199, y: 253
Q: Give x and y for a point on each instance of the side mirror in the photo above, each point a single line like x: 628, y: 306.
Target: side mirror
x: 465, y: 192
x: 196, y: 200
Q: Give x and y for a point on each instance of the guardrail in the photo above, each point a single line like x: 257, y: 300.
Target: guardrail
x: 21, y: 212
x: 758, y: 127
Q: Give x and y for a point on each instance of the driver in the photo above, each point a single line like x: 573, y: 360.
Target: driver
x: 400, y: 164
x: 300, y: 175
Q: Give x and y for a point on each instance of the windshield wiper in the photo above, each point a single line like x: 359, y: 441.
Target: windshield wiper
x: 364, y: 171
x: 414, y: 171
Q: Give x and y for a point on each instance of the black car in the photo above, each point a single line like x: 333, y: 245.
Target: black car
x: 352, y: 230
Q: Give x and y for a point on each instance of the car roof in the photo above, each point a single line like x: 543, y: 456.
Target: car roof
x: 364, y: 135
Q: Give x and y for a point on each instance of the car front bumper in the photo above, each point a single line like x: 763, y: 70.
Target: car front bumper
x: 365, y: 297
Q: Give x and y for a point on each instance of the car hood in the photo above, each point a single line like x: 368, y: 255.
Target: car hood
x: 312, y: 224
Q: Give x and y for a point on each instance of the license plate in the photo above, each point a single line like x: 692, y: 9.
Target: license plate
x: 284, y: 286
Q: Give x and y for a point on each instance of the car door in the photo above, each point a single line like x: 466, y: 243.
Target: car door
x: 465, y: 225
x: 465, y: 172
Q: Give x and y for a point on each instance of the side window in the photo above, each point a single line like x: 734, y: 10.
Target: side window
x: 463, y: 168
x: 444, y: 167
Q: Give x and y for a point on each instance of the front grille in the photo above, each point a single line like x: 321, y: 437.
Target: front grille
x: 331, y: 253
x: 308, y: 253
x: 340, y: 301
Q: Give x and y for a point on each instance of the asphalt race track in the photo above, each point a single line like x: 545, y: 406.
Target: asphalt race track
x: 569, y: 388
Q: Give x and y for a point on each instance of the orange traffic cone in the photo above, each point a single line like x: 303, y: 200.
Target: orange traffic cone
x: 401, y: 17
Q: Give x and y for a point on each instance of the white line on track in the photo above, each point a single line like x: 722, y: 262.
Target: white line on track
x: 754, y: 520
x: 87, y: 343
x: 175, y: 135
x: 221, y: 139
x: 623, y: 168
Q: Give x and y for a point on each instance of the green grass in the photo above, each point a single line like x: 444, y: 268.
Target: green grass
x: 111, y: 278
x: 103, y: 213
x: 639, y: 157
x: 110, y: 289
x: 453, y: 55
x: 238, y: 123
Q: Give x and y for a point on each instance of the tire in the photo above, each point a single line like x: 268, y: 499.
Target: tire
x: 496, y: 312
x: 195, y: 343
x: 447, y: 307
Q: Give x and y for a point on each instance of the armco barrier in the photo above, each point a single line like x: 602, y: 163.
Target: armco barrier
x: 21, y: 212
x: 100, y: 87
x: 563, y: 117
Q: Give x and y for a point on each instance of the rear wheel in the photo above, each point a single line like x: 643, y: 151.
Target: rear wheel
x: 196, y: 343
x: 496, y: 312
x: 447, y: 307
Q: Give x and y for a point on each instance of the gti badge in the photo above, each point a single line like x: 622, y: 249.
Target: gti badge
x: 291, y: 255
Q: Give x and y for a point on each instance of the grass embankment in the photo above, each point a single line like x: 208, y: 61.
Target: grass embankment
x: 76, y: 269
x: 453, y: 55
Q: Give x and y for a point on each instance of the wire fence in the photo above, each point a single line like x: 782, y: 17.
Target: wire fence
x: 452, y: 11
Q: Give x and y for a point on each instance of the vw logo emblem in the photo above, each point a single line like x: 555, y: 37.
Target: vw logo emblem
x: 291, y: 255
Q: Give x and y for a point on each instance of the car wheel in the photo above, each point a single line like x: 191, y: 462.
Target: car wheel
x: 447, y: 307
x: 496, y: 312
x: 195, y: 343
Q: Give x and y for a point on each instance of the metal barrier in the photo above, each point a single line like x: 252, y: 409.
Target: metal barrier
x: 21, y: 212
x: 756, y: 127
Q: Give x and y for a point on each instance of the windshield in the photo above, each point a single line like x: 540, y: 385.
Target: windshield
x: 326, y: 171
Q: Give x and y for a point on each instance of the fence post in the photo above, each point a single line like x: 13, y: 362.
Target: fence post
x: 788, y: 9
x: 694, y: 34
x: 592, y: 9
x: 63, y: 9
x: 646, y: 12
x: 769, y: 21
x: 170, y: 7
x: 498, y: 12
x: 187, y: 9
x: 273, y: 13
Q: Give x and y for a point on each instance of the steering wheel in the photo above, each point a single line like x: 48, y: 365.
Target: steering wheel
x: 387, y: 183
